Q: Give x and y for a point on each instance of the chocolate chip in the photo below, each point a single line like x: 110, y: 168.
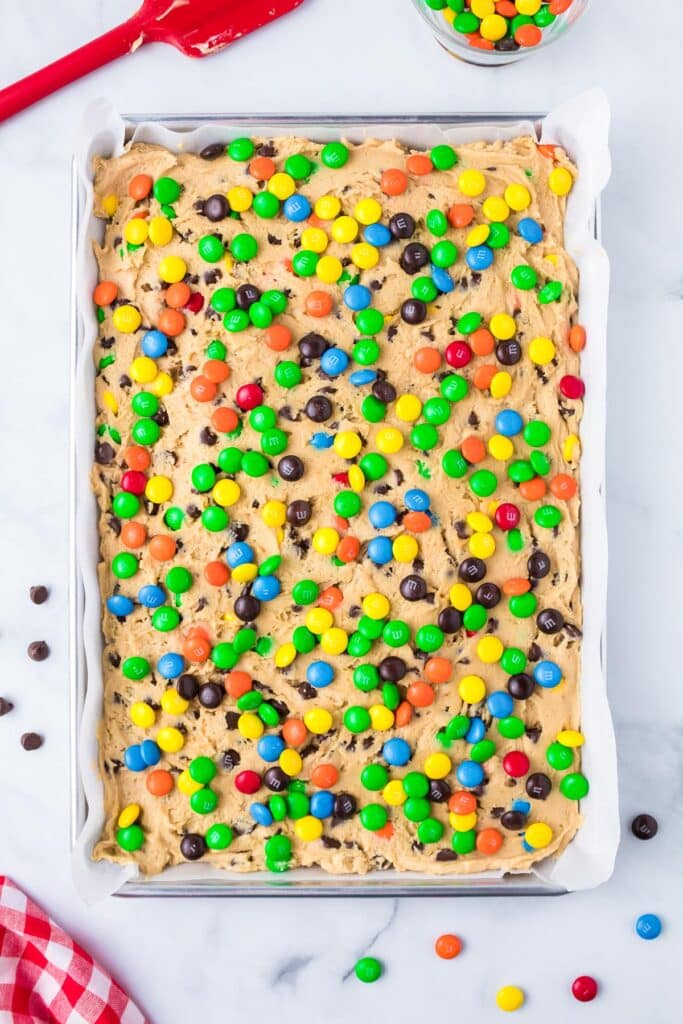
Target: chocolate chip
x: 644, y: 826
x: 39, y: 595
x: 193, y: 846
x: 330, y: 843
x: 104, y: 453
x: 550, y: 620
x: 212, y: 151
x: 187, y: 686
x: 446, y: 855
x: 538, y: 786
x: 38, y: 650
x: 31, y: 740
x: 5, y: 706
x: 207, y: 436
x: 231, y: 759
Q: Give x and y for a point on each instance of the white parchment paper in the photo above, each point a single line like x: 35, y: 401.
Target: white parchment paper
x: 580, y: 125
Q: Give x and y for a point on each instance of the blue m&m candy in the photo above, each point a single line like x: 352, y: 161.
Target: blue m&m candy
x: 151, y: 596
x: 266, y: 588
x: 648, y: 926
x: 270, y: 747
x: 334, y: 361
x: 470, y: 774
x: 296, y: 208
x: 479, y: 257
x: 509, y: 423
x: 133, y: 759
x: 500, y: 704
x: 396, y: 752
x: 442, y: 279
x: 261, y: 814
x: 476, y: 731
x: 530, y: 230
x: 380, y: 550
x: 417, y: 500
x: 357, y: 297
x: 547, y: 674
x: 119, y: 605
x: 377, y: 234
x: 322, y: 804
x: 151, y: 754
x: 360, y: 377
x: 320, y: 674
x: 382, y: 514
x: 170, y: 665
x: 321, y: 440
x: 239, y: 553
x: 154, y: 344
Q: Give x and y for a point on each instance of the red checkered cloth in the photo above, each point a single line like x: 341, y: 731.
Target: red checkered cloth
x: 47, y: 977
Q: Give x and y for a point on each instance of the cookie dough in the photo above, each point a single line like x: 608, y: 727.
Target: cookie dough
x: 459, y: 517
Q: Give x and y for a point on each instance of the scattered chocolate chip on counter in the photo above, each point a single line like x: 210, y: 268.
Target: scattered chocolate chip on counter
x: 38, y: 650
x: 39, y: 595
x: 5, y: 706
x: 31, y: 740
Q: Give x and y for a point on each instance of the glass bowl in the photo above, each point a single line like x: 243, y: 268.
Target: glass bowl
x: 458, y: 45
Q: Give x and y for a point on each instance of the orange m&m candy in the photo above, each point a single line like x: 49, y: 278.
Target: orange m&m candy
x: 416, y: 522
x: 330, y: 598
x: 318, y: 303
x: 348, y: 549
x: 419, y: 163
x: 277, y: 337
x: 489, y: 840
x: 225, y: 420
x: 202, y: 389
x: 473, y: 449
x: 177, y: 295
x: 460, y: 215
x: 420, y: 694
x: 483, y: 375
x: 577, y: 338
x: 394, y: 181
x: 237, y: 683
x: 137, y: 457
x: 262, y: 168
x: 216, y: 370
x: 105, y: 293
x: 133, y: 535
x: 447, y: 946
x: 171, y: 322
x: 325, y: 776
x: 516, y: 585
x: 196, y: 648
x: 481, y: 342
x: 427, y: 359
x: 159, y: 782
x: 294, y: 732
x: 140, y: 186
x: 563, y: 486
x: 403, y: 715
x: 162, y: 547
x: 462, y: 802
x: 438, y: 670
x: 534, y: 489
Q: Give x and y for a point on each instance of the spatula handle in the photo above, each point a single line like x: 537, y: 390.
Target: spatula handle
x: 119, y: 41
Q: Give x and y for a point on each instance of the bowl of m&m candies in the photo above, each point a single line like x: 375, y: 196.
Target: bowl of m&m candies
x: 494, y: 32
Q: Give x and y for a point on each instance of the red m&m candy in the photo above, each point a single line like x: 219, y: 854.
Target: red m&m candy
x: 507, y: 516
x: 572, y: 387
x: 133, y: 481
x: 516, y: 764
x: 249, y: 396
x: 584, y: 988
x: 458, y: 353
x: 248, y: 781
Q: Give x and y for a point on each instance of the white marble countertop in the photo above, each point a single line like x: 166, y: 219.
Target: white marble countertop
x: 263, y: 960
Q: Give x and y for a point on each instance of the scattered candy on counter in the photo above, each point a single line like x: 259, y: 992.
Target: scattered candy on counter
x: 584, y: 988
x: 509, y: 998
x: 644, y: 826
x: 648, y: 926
x: 368, y: 969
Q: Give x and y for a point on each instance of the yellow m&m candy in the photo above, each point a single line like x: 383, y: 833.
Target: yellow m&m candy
x: 308, y: 828
x: 172, y: 269
x: 541, y: 351
x: 365, y: 256
x: 172, y: 703
x: 502, y: 326
x: 329, y: 269
x: 389, y: 440
x: 471, y: 182
x: 408, y: 408
x: 381, y: 717
x: 327, y: 207
x: 110, y: 204
x: 318, y: 721
x: 282, y: 185
x: 159, y: 489
x: 495, y: 208
x: 240, y: 198
x: 460, y: 596
x: 478, y: 235
x: 325, y: 540
x: 128, y: 816
x: 160, y: 231
x: 394, y: 794
x: 126, y: 319
x: 285, y: 655
x: 334, y: 640
x: 318, y: 620
x: 290, y: 762
x: 538, y: 835
x: 517, y: 197
x: 560, y: 181
x: 490, y: 649
x: 482, y: 545
x: 501, y: 384
x: 509, y: 998
x: 274, y: 513
x: 170, y: 740
x: 136, y: 231
x: 367, y: 211
x: 344, y: 229
x: 437, y: 766
x: 250, y: 726
x: 226, y: 492
x: 472, y: 689
x: 347, y: 444
x: 143, y: 369
x: 142, y: 715
x: 314, y: 239
x: 376, y: 606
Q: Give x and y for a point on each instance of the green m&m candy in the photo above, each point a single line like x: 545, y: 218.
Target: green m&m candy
x: 416, y: 784
x: 458, y: 727
x: 513, y: 660
x: 268, y: 715
x: 368, y: 968
x: 298, y: 804
x: 365, y: 678
x: 396, y: 633
x: 304, y: 262
x: 430, y: 830
x: 347, y: 504
x: 550, y: 292
x: 499, y: 235
x: 146, y: 432
x: 178, y: 579
x: 130, y: 838
x: 524, y: 277
x: 520, y: 471
x: 287, y: 374
x: 223, y: 300
x: 374, y: 777
x: 391, y: 696
x: 469, y: 322
x: 464, y: 842
x: 373, y: 465
x: 215, y: 519
x: 125, y: 505
x: 424, y: 289
x: 219, y: 837
x: 371, y: 628
x: 135, y: 668
x: 436, y: 410
x: 260, y: 315
x: 124, y: 565
x: 202, y: 770
x: 334, y: 155
x: 277, y: 806
x: 266, y: 205
x: 357, y: 719
x: 144, y: 403
x: 522, y: 606
x: 483, y: 483
x: 305, y: 592
x: 574, y: 786
x: 540, y: 463
x: 454, y: 464
x: 437, y: 222
x: 278, y: 848
x: 444, y: 157
x: 547, y: 516
x: 166, y: 190
x: 224, y: 656
x: 424, y: 437
x: 429, y: 638
x: 369, y: 321
x: 303, y: 639
x: 230, y: 460
x: 244, y: 247
x: 416, y: 808
x: 254, y: 464
x: 366, y: 351
x: 244, y: 640
x: 270, y: 565
x: 241, y: 150
x: 515, y: 540
x: 444, y: 253
x: 358, y: 645
x: 482, y: 751
x: 536, y: 433
x: 372, y: 409
x: 474, y: 618
x: 454, y: 387
x: 173, y: 517
x: 262, y: 417
x: 559, y: 757
x: 298, y: 166
x: 203, y: 477
x: 511, y: 728
x: 210, y: 248
x: 165, y: 619
x: 275, y: 300
x: 250, y: 701
x: 373, y: 817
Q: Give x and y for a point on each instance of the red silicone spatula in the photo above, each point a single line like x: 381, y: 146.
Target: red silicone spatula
x: 196, y: 27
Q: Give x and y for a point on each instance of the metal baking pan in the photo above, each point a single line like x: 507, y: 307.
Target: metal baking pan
x: 301, y: 882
